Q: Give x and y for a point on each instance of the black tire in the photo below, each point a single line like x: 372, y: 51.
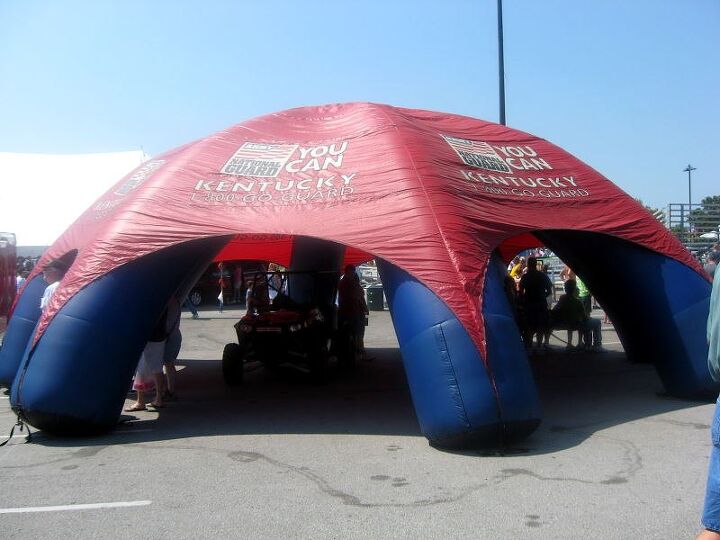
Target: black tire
x: 232, y: 364
x: 319, y: 365
x: 195, y: 297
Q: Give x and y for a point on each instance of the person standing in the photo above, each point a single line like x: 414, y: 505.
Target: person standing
x: 511, y: 265
x: 20, y: 279
x: 53, y: 273
x: 221, y: 284
x: 149, y: 373
x: 549, y: 301
x: 518, y: 271
x: 191, y: 307
x: 567, y: 273
x: 712, y: 261
x: 238, y: 283
x: 534, y: 287
x: 172, y: 349
x: 711, y: 511
x: 352, y: 310
x: 584, y: 295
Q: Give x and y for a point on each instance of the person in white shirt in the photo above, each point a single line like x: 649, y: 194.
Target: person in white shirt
x: 20, y: 280
x: 52, y: 273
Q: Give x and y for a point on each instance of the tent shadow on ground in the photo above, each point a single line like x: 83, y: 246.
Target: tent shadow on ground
x: 582, y: 394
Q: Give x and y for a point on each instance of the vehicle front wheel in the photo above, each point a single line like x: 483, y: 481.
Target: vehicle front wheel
x: 319, y: 365
x: 232, y: 364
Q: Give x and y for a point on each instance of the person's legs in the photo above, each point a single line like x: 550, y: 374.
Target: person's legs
x: 170, y: 375
x: 159, y: 389
x: 170, y: 353
x: 154, y: 355
x: 596, y: 328
x: 140, y: 403
x: 527, y: 339
x: 711, y: 511
x: 569, y: 338
x: 360, y: 337
x: 544, y: 330
x: 586, y: 333
x: 191, y: 307
x: 142, y: 381
x: 533, y: 324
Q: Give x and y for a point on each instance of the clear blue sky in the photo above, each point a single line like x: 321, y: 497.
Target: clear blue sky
x: 630, y: 87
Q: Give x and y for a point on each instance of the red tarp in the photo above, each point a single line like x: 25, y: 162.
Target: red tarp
x: 274, y: 248
x: 432, y: 193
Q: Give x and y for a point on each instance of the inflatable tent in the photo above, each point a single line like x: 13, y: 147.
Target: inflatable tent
x: 439, y: 200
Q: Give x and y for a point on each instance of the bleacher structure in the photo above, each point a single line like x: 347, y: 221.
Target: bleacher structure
x: 697, y: 226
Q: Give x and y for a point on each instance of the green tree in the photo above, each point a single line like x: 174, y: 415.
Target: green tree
x: 657, y: 213
x: 706, y: 218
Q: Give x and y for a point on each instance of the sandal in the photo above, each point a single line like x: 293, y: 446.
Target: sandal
x: 135, y: 407
x: 156, y: 405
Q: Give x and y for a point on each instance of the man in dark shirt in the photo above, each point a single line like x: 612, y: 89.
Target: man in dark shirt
x: 352, y: 309
x: 535, y: 286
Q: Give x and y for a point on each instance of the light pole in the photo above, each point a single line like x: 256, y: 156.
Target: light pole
x: 501, y: 63
x: 689, y: 169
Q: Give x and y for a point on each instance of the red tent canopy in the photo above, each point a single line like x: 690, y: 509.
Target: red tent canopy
x: 432, y: 193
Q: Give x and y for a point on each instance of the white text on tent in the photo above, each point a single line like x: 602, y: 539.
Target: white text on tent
x: 546, y: 182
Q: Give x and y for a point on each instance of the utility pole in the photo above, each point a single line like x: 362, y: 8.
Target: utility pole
x: 501, y: 63
x: 689, y: 169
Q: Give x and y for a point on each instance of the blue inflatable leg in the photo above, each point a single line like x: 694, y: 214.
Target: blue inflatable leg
x: 20, y: 329
x: 76, y: 378
x: 659, y: 306
x: 459, y: 401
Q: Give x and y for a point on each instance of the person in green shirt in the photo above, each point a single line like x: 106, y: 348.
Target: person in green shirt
x: 584, y: 295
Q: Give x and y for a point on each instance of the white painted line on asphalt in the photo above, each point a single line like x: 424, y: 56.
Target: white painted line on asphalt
x: 72, y: 507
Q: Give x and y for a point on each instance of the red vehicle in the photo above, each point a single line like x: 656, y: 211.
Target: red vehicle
x: 8, y: 273
x: 278, y: 331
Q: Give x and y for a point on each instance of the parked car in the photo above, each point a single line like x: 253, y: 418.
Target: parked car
x: 206, y: 288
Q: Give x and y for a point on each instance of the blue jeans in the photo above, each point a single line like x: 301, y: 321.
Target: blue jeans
x: 711, y: 512
x: 188, y: 304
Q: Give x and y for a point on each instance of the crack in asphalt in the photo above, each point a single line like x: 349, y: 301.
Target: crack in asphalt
x: 84, y: 452
x: 631, y: 458
x: 696, y: 425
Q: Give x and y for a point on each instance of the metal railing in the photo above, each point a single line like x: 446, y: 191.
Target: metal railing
x: 697, y: 226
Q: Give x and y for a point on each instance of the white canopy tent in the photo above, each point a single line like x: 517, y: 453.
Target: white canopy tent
x: 42, y: 194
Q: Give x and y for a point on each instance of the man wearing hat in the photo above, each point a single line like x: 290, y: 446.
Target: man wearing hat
x: 52, y: 273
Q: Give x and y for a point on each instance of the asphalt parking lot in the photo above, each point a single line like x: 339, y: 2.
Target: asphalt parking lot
x: 280, y: 458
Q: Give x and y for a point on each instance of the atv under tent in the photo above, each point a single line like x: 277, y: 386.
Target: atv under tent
x: 439, y: 199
